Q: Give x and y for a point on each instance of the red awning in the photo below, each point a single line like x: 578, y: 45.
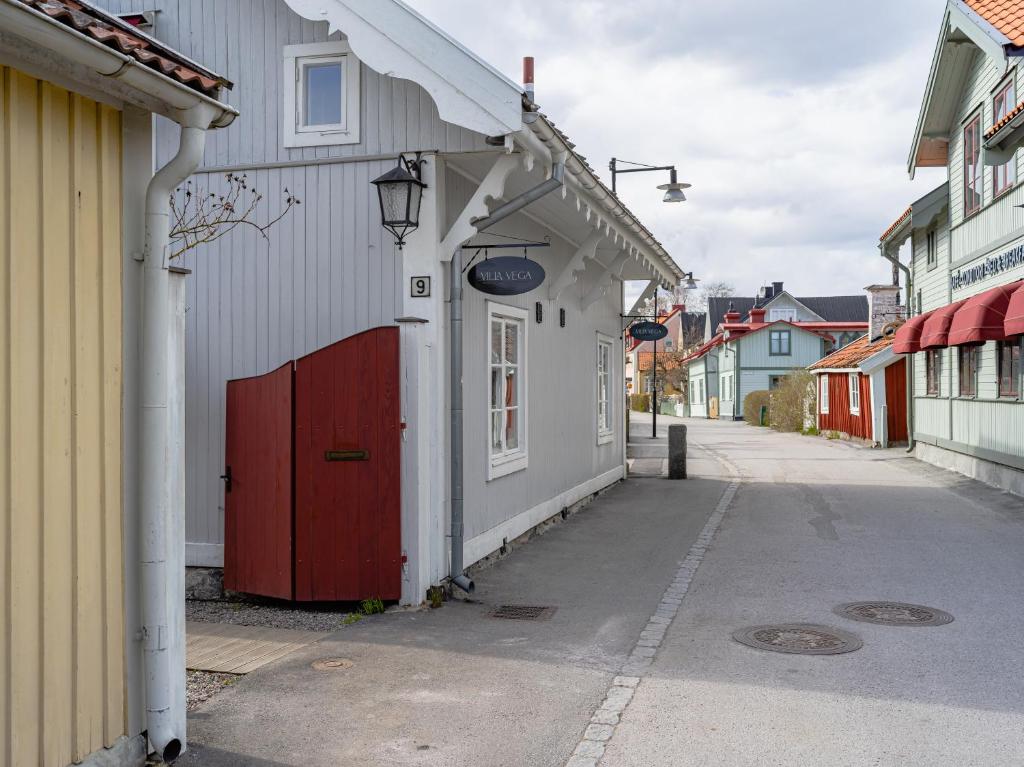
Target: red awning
x: 1013, y: 325
x: 982, y: 317
x: 908, y: 335
x: 935, y: 333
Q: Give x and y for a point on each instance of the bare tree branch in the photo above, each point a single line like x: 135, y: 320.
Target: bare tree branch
x: 199, y: 217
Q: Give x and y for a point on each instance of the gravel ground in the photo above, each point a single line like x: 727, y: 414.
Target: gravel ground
x: 200, y: 686
x: 252, y: 614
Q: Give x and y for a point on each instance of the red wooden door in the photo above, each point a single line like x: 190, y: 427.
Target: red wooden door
x: 347, y: 464
x: 258, y: 545
x: 896, y: 394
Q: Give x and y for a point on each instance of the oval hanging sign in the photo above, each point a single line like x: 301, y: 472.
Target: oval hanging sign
x: 648, y: 331
x: 506, y: 275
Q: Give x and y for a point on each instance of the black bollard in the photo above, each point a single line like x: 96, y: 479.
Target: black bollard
x: 677, y: 451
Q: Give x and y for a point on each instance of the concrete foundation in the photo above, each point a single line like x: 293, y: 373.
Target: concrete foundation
x: 988, y: 472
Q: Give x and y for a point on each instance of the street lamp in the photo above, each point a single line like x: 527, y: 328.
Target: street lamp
x: 400, y: 193
x: 690, y: 283
x: 673, y: 189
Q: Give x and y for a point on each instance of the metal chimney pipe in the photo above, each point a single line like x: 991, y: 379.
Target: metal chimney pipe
x: 528, y: 78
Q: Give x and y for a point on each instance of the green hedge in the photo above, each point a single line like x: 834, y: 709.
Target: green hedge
x: 641, y: 402
x: 752, y: 405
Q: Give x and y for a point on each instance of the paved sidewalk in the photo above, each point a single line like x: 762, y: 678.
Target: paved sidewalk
x: 456, y: 687
x: 815, y: 524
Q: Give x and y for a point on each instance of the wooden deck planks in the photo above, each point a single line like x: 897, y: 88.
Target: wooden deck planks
x: 227, y: 648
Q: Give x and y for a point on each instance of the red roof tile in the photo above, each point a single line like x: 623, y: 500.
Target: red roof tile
x: 123, y: 37
x: 1009, y: 116
x: 1007, y: 16
x: 851, y: 355
x: 896, y: 224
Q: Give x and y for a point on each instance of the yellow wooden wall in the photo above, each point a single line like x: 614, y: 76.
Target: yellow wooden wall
x: 62, y: 687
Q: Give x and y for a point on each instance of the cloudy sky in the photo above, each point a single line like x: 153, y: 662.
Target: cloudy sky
x: 792, y: 119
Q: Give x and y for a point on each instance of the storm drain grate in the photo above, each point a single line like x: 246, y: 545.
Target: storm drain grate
x: 894, y: 614
x: 799, y: 638
x: 523, y: 612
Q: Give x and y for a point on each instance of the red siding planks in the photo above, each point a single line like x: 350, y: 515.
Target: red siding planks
x: 839, y: 418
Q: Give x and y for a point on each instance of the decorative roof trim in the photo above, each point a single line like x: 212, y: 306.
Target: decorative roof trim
x: 392, y: 38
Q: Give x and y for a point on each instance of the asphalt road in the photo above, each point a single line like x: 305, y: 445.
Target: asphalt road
x: 770, y: 528
x: 816, y: 524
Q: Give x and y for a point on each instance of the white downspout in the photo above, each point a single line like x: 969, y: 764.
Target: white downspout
x: 160, y: 435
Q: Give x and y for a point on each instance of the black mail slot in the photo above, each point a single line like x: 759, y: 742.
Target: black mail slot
x: 347, y: 455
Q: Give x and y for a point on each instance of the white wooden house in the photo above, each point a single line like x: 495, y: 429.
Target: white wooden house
x: 331, y: 93
x: 967, y: 249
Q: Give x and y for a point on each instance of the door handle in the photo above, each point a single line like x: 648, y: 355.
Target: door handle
x: 346, y: 455
x: 226, y: 476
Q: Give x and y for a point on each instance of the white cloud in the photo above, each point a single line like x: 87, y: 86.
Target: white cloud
x: 791, y: 119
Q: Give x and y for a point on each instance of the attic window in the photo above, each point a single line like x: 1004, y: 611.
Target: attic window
x: 321, y: 95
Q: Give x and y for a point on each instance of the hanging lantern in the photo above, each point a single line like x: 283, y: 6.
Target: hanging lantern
x: 400, y: 193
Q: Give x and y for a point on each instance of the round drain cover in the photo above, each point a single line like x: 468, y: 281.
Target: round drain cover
x: 332, y: 664
x: 799, y: 638
x: 894, y: 614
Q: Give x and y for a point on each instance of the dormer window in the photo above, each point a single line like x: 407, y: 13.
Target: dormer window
x: 972, y: 166
x: 1004, y: 176
x: 321, y: 95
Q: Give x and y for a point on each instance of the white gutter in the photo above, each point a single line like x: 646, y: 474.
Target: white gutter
x: 67, y: 42
x: 161, y: 434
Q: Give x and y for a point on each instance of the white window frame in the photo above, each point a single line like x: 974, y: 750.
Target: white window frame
x: 823, y: 393
x: 854, y: 383
x: 296, y: 57
x: 503, y: 464
x: 605, y: 433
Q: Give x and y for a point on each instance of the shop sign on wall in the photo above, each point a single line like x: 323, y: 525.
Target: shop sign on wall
x: 989, y: 267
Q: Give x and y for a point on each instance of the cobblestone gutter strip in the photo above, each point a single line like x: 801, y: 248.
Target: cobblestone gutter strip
x: 602, y: 725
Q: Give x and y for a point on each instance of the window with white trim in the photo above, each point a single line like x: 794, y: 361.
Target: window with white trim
x: 854, y: 393
x: 824, y: 393
x: 321, y: 94
x: 506, y: 354
x: 931, y: 249
x: 604, y: 387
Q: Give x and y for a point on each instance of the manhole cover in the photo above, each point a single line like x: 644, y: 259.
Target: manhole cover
x: 332, y: 664
x: 894, y: 614
x: 799, y: 638
x: 523, y: 612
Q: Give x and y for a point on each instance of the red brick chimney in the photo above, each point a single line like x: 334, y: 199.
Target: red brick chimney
x: 757, y: 316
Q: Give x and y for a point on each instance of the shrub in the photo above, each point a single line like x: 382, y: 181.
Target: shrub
x: 641, y: 402
x: 791, y: 401
x: 752, y: 405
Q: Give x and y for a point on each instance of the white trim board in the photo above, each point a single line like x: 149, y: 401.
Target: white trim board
x: 480, y: 546
x: 204, y: 554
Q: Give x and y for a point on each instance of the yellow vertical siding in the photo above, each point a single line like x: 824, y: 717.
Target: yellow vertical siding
x: 61, y: 605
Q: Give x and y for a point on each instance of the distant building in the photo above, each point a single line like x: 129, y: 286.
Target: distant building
x: 685, y: 334
x: 751, y: 343
x: 966, y: 271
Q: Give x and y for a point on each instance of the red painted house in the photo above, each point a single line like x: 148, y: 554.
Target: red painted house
x: 862, y: 391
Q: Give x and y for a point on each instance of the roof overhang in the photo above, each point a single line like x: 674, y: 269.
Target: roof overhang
x: 920, y: 214
x: 395, y: 40
x: 963, y: 33
x: 50, y: 49
x: 880, y: 359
